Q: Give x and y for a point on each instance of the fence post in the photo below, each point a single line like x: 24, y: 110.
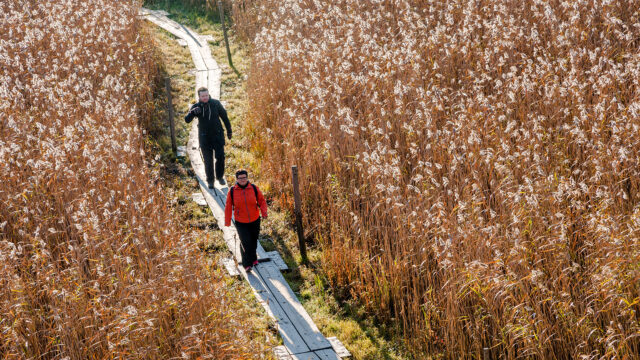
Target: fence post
x: 224, y: 32
x: 298, y: 214
x: 172, y: 126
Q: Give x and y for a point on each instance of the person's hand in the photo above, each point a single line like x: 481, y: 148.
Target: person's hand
x: 229, y: 134
x: 196, y: 110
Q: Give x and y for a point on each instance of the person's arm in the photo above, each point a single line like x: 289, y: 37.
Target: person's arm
x: 262, y: 203
x: 223, y: 114
x: 228, y: 210
x: 193, y: 112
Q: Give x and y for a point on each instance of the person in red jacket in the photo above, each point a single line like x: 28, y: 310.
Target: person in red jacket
x: 246, y: 203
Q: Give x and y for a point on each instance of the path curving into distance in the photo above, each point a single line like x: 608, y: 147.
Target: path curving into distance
x: 301, y: 337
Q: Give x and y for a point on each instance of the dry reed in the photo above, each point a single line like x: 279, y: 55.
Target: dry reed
x: 472, y: 166
x: 92, y: 262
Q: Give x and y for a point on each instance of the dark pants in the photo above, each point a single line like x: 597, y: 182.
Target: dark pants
x: 248, y: 233
x: 208, y: 151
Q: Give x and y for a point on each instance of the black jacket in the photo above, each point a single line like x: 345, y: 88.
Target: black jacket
x: 209, y: 127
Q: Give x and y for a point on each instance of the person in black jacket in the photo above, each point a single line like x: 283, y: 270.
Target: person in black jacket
x: 210, y: 133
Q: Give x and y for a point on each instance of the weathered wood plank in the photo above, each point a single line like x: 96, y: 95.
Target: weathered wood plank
x: 191, y: 33
x: 195, y: 54
x: 277, y: 260
x: 231, y: 266
x: 206, y: 37
x: 281, y: 353
x: 153, y: 12
x: 213, y: 83
x: 207, y: 58
x: 292, y: 306
x: 167, y: 25
x: 338, y: 347
x: 327, y: 354
x: 305, y: 356
x: 260, y: 252
x: 290, y: 336
x: 199, y: 199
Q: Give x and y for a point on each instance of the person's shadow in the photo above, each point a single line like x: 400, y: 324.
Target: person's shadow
x: 218, y: 192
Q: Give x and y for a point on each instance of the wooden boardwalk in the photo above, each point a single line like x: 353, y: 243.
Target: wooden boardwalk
x: 301, y: 337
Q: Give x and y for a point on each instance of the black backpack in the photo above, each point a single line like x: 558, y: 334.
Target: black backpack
x: 255, y: 191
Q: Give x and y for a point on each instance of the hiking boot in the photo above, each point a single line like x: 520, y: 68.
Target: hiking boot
x: 210, y: 185
x: 255, y: 263
x: 222, y: 181
x: 247, y: 269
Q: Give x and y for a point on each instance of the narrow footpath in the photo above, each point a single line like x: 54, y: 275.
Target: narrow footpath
x: 301, y: 337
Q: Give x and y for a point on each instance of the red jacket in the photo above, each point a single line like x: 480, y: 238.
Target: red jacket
x: 245, y: 208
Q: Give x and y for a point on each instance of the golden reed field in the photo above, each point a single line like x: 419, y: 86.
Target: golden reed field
x: 93, y: 263
x: 470, y: 168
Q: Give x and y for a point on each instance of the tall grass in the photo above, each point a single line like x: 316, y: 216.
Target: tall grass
x: 471, y: 166
x: 92, y: 262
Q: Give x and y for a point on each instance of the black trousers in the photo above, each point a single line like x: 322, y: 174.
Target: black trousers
x: 248, y: 233
x: 208, y: 151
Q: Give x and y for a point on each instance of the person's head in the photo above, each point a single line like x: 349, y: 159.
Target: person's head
x: 203, y: 94
x: 242, y: 177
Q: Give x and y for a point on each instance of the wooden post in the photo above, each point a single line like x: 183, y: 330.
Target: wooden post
x: 224, y: 31
x: 172, y: 126
x: 298, y: 214
x: 485, y: 353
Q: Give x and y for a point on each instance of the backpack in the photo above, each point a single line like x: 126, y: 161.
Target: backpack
x: 255, y: 191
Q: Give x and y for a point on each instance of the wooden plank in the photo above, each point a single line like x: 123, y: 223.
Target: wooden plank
x: 196, y: 56
x: 305, y: 356
x: 231, y: 266
x: 213, y: 82
x: 260, y: 252
x: 190, y: 32
x: 196, y: 161
x: 199, y: 199
x: 155, y: 12
x: 223, y: 189
x: 281, y: 353
x: 207, y: 58
x: 221, y: 201
x: 324, y: 354
x: 292, y: 306
x: 327, y: 354
x: 264, y: 297
x: 290, y: 336
x: 167, y: 25
x: 277, y: 260
x: 338, y: 347
x: 206, y: 37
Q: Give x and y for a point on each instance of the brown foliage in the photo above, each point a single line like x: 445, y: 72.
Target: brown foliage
x: 92, y: 264
x: 472, y: 166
